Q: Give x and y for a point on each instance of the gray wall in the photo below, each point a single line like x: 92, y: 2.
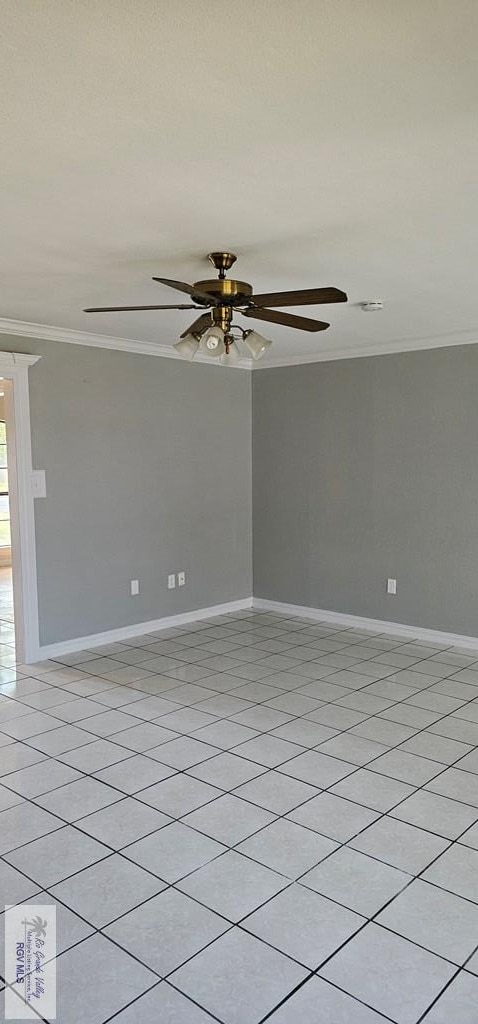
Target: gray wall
x: 364, y: 469
x: 148, y: 468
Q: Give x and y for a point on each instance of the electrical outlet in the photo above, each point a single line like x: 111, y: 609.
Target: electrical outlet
x: 181, y: 579
x: 171, y: 581
x: 38, y: 483
x: 134, y: 588
x: 391, y: 586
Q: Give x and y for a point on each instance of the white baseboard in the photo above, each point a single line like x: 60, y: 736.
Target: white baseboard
x: 373, y: 625
x: 82, y: 643
x: 261, y: 604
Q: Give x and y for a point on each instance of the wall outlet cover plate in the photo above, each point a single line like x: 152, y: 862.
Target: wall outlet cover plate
x: 38, y: 483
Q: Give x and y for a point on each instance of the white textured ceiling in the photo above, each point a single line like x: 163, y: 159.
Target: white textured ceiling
x: 327, y: 143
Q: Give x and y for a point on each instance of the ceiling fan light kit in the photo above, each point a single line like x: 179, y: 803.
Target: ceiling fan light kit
x: 187, y: 347
x: 232, y: 357
x: 221, y: 298
x: 212, y: 342
x: 256, y: 345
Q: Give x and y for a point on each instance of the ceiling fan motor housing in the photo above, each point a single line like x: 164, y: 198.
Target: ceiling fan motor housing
x: 229, y: 292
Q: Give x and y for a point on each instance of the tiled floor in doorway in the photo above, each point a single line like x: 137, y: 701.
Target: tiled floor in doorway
x: 251, y: 817
x: 7, y: 630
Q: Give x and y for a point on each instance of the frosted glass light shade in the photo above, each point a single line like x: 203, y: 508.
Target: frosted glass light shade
x: 212, y: 342
x: 187, y: 347
x: 232, y: 357
x: 256, y: 344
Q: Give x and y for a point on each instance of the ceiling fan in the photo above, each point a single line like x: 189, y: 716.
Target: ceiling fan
x: 213, y: 331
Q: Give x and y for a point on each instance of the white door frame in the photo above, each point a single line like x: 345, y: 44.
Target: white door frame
x: 14, y: 367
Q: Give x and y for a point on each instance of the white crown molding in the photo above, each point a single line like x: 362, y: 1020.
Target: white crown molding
x: 83, y: 643
x: 25, y: 329
x: 372, y: 625
x: 377, y: 349
x: 46, y: 332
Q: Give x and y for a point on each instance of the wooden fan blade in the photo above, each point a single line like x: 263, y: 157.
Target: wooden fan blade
x: 128, y: 309
x: 199, y: 326
x: 189, y: 289
x: 301, y: 323
x: 305, y: 297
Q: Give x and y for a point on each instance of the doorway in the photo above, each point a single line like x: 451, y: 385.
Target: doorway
x: 7, y: 617
x: 19, y: 633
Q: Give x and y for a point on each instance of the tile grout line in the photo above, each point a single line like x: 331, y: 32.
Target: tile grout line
x: 340, y: 732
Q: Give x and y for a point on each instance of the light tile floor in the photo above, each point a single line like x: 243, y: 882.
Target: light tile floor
x: 248, y: 818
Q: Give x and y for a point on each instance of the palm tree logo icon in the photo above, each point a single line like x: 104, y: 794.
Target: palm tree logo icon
x: 38, y: 926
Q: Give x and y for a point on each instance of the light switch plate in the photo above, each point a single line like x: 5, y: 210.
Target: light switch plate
x: 38, y: 483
